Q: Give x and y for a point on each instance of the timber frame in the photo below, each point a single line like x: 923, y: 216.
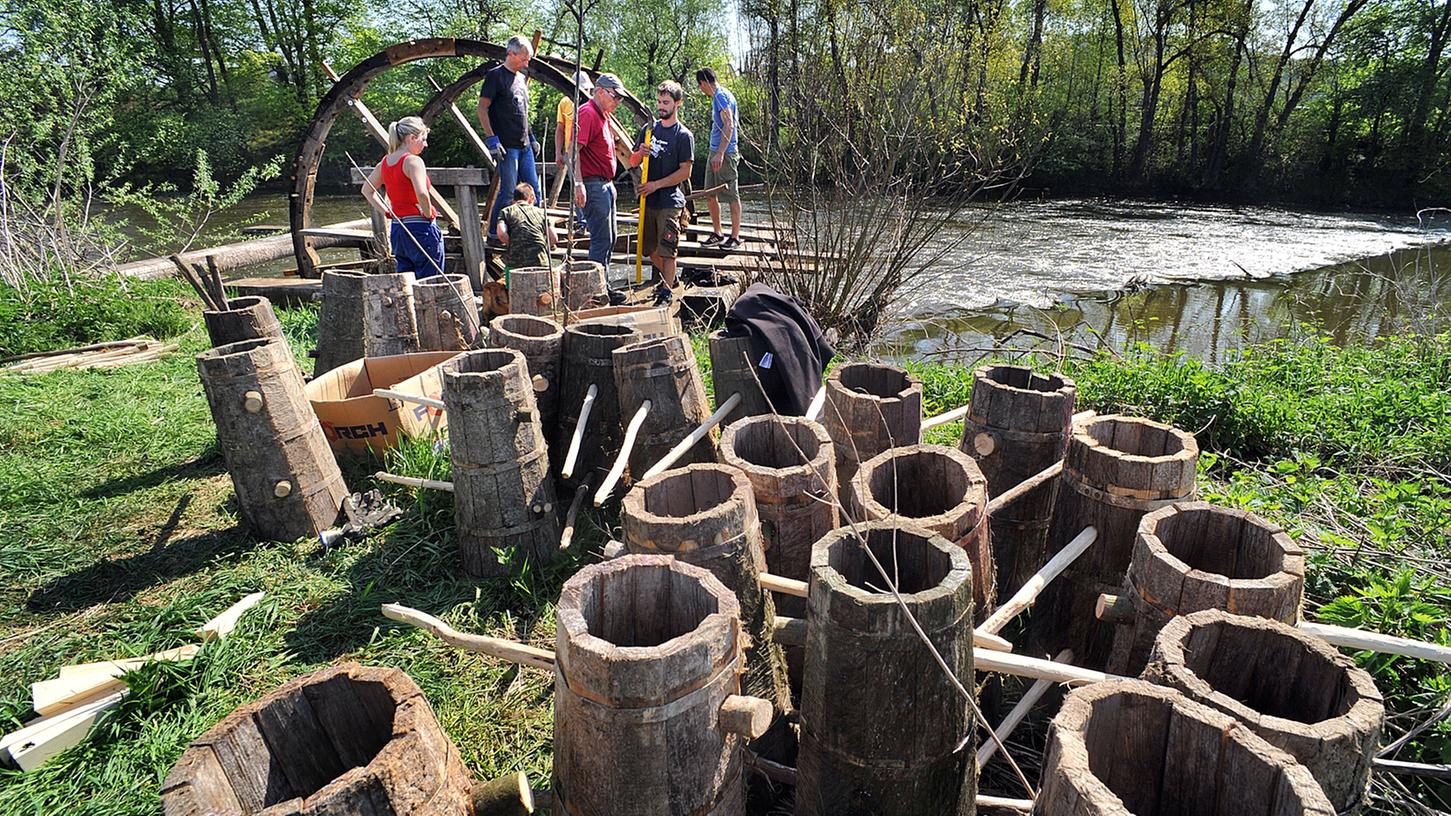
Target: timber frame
x: 552, y: 71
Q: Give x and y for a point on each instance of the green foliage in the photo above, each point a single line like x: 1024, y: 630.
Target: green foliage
x: 54, y: 315
x: 175, y: 219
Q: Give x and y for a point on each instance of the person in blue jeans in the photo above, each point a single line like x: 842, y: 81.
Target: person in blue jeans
x: 504, y: 121
x: 413, y: 235
x: 594, y: 169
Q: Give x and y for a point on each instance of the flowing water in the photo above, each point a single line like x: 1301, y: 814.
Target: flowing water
x: 1187, y: 277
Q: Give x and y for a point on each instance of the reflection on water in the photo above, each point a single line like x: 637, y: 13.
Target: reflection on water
x: 1405, y: 291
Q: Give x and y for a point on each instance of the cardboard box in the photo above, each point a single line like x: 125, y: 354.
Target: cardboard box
x: 650, y: 321
x: 354, y: 420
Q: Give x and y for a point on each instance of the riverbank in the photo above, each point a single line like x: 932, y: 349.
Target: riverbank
x: 118, y: 536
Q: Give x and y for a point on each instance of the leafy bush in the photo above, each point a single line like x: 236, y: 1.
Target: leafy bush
x: 52, y: 315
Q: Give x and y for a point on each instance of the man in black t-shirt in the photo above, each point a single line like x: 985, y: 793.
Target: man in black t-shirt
x: 672, y: 154
x: 504, y: 120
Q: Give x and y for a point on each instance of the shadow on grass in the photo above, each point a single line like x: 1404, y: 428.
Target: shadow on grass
x: 118, y: 579
x: 208, y: 464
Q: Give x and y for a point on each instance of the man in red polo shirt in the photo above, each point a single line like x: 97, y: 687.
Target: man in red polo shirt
x: 594, y: 169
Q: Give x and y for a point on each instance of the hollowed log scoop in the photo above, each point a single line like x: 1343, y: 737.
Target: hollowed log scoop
x: 940, y: 489
x: 503, y: 496
x: 1117, y: 470
x: 246, y: 318
x: 541, y: 341
x: 880, y: 721
x: 1018, y: 424
x: 587, y: 361
x: 705, y: 515
x: 648, y: 719
x: 1127, y: 746
x: 342, y: 741
x: 1193, y: 556
x: 287, y: 481
x: 732, y: 371
x: 663, y: 371
x: 340, y: 322
x: 390, y: 324
x: 869, y: 408
x: 1291, y: 688
x: 448, y: 319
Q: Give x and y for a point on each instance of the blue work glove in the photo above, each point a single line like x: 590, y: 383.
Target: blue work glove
x: 495, y: 148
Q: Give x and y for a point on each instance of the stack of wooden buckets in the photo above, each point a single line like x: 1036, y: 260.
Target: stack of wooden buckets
x: 808, y: 604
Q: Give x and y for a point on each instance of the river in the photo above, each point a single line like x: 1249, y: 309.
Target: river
x: 1201, y: 279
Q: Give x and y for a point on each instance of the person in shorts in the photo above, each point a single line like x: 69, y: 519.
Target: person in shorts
x: 672, y: 155
x: 724, y: 164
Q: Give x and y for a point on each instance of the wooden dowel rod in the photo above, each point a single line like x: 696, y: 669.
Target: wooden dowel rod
x: 1036, y: 668
x: 1376, y: 642
x: 942, y: 419
x: 1019, y: 713
x: 1018, y: 490
x: 1003, y: 803
x: 1024, y: 597
x: 1413, y: 768
x: 417, y: 399
x: 789, y: 631
x: 813, y: 411
x: 695, y: 436
x: 567, y: 537
x: 618, y: 469
x: 795, y: 588
x: 584, y: 409
x: 410, y: 481
x: 510, y: 650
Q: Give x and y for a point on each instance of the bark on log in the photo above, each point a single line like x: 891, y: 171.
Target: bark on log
x: 248, y: 318
x: 1194, y: 556
x: 234, y: 256
x: 1128, y: 746
x: 340, y: 323
x: 664, y: 372
x: 1117, y: 470
x: 342, y: 741
x: 541, y: 341
x: 503, y: 496
x: 732, y: 372
x: 705, y: 515
x: 870, y: 408
x: 940, y: 489
x: 1291, y: 688
x: 647, y: 651
x: 534, y: 290
x: 582, y: 285
x: 587, y: 361
x: 447, y: 317
x: 287, y: 481
x: 880, y: 723
x: 1018, y: 423
x: 390, y: 326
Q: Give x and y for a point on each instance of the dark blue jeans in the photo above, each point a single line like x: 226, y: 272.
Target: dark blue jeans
x: 599, y: 213
x: 417, y: 246
x: 517, y: 166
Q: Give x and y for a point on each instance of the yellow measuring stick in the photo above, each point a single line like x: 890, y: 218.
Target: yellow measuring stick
x: 640, y: 238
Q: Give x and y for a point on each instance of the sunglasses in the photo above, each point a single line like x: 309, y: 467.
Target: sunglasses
x: 614, y: 94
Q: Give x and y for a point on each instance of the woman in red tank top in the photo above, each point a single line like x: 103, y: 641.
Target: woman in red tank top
x: 413, y: 235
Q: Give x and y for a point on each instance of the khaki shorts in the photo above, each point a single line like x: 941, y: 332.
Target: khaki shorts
x: 662, y: 232
x: 729, y: 174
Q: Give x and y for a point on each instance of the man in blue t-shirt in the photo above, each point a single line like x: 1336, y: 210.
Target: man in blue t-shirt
x: 672, y: 155
x: 723, y: 168
x: 504, y: 121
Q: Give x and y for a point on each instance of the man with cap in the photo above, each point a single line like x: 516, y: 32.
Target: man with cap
x: 504, y: 121
x: 564, y: 135
x: 594, y: 167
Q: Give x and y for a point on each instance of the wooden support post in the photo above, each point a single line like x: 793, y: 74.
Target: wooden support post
x: 618, y: 469
x: 518, y: 653
x: 472, y: 231
x: 1019, y: 712
x: 1024, y: 597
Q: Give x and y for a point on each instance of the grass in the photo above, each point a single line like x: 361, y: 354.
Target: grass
x: 118, y: 536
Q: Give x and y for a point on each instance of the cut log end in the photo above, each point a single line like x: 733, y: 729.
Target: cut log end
x: 505, y: 796
x: 748, y: 717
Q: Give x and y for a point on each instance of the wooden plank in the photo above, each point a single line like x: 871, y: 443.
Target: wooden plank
x: 441, y: 177
x: 472, y: 230
x: 34, y: 745
x: 84, y: 682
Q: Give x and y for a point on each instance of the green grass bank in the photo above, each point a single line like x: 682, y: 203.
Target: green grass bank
x: 118, y: 537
